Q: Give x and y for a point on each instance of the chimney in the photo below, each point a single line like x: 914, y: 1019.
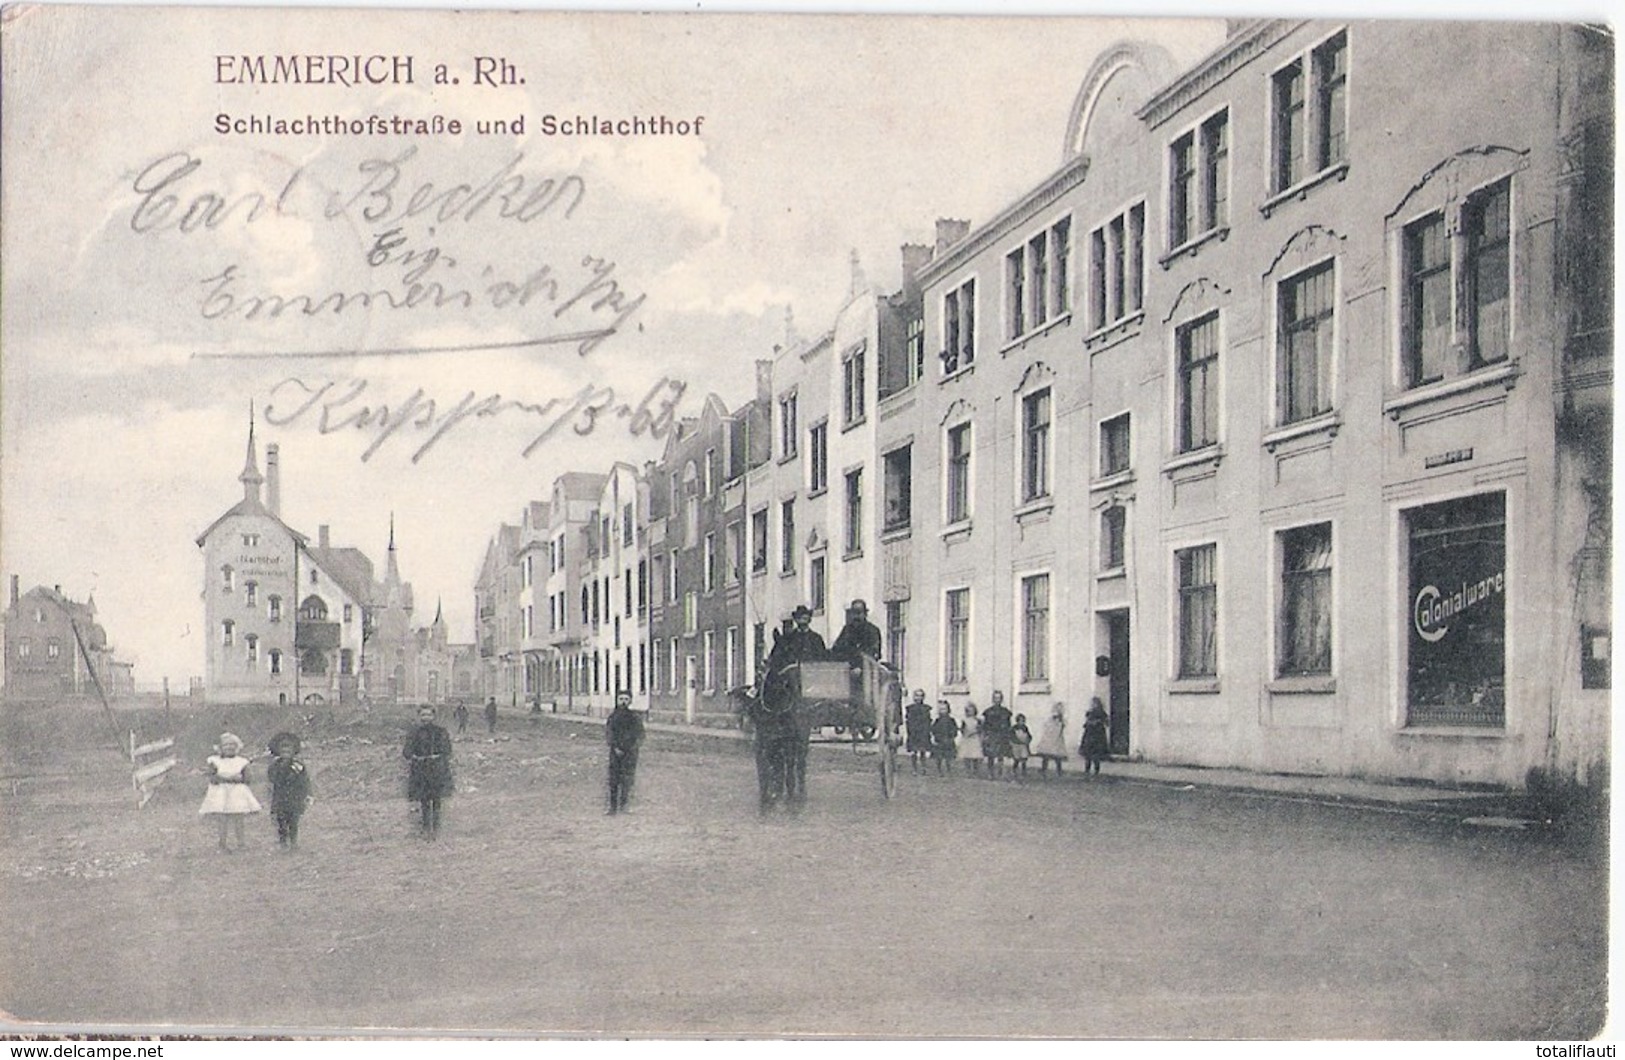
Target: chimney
x: 273, y: 479
x: 321, y: 536
x: 949, y: 232
x: 916, y: 256
x: 14, y: 590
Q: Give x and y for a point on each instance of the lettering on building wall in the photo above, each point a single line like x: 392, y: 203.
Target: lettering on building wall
x: 1433, y: 609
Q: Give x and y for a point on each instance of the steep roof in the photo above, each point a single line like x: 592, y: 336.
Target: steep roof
x: 350, y: 567
x: 250, y: 506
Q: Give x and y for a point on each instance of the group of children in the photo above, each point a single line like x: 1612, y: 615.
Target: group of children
x: 230, y: 800
x: 984, y: 741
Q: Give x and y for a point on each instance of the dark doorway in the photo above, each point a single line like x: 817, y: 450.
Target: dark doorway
x: 1117, y: 647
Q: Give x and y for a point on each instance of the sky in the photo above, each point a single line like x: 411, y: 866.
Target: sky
x: 141, y: 244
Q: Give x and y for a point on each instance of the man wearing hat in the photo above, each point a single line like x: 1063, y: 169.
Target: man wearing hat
x: 801, y: 644
x: 860, y: 637
x: 624, y: 731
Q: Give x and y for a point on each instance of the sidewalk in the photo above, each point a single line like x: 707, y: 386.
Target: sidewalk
x: 1476, y: 806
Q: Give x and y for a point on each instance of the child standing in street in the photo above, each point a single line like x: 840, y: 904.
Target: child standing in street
x: 290, y: 788
x: 944, y: 737
x: 1021, y: 740
x: 1096, y: 744
x: 1051, y: 746
x: 229, y: 798
x: 970, y: 741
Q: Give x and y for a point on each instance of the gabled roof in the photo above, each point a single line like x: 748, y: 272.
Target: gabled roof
x: 579, y: 485
x: 81, y: 615
x: 250, y: 506
x: 350, y: 567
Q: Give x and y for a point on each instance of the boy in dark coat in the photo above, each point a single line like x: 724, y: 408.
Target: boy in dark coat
x: 944, y: 739
x: 428, y: 778
x: 290, y: 788
x: 1096, y: 744
x: 624, y: 732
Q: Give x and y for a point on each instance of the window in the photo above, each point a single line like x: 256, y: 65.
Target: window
x: 1035, y: 628
x: 817, y: 584
x: 787, y: 426
x: 959, y: 328
x: 1035, y: 417
x: 914, y: 349
x: 1199, y: 180
x: 897, y: 633
x: 1197, y: 415
x: 818, y: 448
x: 53, y: 648
x: 348, y: 612
x: 709, y: 661
x: 252, y: 643
x: 1456, y: 644
x: 251, y: 541
x: 228, y: 633
x: 710, y: 581
x: 958, y: 492
x: 1311, y: 120
x: 897, y: 471
x: 1035, y: 276
x: 598, y: 607
x: 691, y: 613
x: 275, y: 655
x: 852, y: 382
x: 730, y: 658
x: 643, y: 587
x: 1305, y: 360
x: 854, y: 512
x: 1305, y: 639
x: 626, y: 525
x: 956, y: 655
x: 251, y: 593
x: 671, y: 585
x: 758, y: 540
x: 787, y: 537
x: 1198, y: 611
x: 226, y: 581
x: 25, y: 648
x: 1113, y: 537
x: 710, y: 472
x: 735, y: 544
x: 1481, y: 290
x: 1117, y: 268
x: 1114, y: 445
x: 315, y: 576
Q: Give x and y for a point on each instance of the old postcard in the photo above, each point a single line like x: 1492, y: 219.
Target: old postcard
x: 768, y: 526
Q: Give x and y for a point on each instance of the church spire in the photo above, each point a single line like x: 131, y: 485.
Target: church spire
x: 392, y: 573
x: 251, y: 477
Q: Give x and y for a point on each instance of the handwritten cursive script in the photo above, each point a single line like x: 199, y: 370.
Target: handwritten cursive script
x: 333, y: 406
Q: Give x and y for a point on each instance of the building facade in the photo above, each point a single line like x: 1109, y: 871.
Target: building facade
x: 1273, y: 418
x: 55, y: 647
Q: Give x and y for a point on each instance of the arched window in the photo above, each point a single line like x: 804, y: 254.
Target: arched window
x: 276, y: 660
x: 314, y: 609
x: 228, y: 632
x: 251, y: 593
x: 252, y: 643
x: 226, y: 582
x: 273, y: 607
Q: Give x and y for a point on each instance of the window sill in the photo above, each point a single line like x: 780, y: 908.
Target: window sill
x: 1191, y: 246
x: 952, y: 688
x: 1504, y: 374
x: 896, y: 533
x: 958, y: 373
x: 1112, y: 481
x: 1115, y: 332
x: 1327, y: 423
x: 813, y: 494
x: 1211, y: 454
x: 1193, y: 686
x: 1460, y: 731
x: 855, y: 424
x: 1302, y: 684
x: 1301, y: 190
x: 759, y: 570
x: 959, y: 529
x: 1034, y: 688
x: 851, y: 554
x: 1027, y: 336
x: 1037, y: 506
x: 788, y: 458
x: 1111, y: 573
x: 791, y: 573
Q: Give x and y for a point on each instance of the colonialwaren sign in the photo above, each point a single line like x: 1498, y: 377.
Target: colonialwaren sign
x: 1434, y: 609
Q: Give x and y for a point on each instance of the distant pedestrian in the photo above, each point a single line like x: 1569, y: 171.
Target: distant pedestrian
x: 290, y: 788
x: 944, y: 739
x: 996, y: 721
x: 428, y: 776
x: 970, y: 741
x: 917, y: 723
x: 1051, y: 745
x: 460, y: 713
x: 229, y: 798
x: 624, y: 733
x: 1096, y: 744
x: 491, y: 715
x: 1021, y: 741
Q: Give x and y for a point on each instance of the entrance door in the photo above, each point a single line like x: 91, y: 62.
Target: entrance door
x: 1117, y: 648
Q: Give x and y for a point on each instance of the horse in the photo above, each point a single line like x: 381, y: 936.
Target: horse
x: 782, y: 734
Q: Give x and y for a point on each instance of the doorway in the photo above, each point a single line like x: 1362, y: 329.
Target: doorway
x: 1117, y: 695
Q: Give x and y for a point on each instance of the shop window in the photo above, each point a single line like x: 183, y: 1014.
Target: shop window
x: 1455, y: 667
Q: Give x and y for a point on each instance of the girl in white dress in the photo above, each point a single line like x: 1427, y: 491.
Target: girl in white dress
x: 229, y: 798
x: 1051, y: 745
x: 970, y: 741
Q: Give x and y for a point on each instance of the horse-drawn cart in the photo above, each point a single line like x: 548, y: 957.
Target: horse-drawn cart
x: 806, y: 696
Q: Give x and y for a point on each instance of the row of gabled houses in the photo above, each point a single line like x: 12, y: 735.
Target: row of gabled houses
x: 1277, y: 418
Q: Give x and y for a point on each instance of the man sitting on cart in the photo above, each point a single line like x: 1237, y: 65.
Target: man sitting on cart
x: 801, y: 644
x: 859, y: 640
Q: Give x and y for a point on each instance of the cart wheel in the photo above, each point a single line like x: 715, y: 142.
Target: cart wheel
x: 888, y: 768
x: 866, y: 732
